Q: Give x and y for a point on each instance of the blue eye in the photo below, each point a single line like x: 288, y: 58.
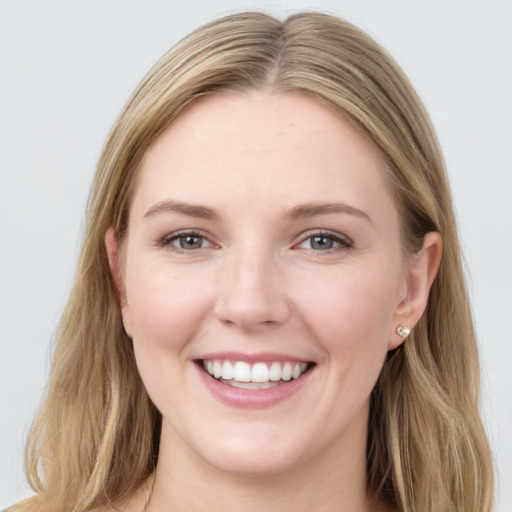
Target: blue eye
x: 186, y: 241
x: 321, y: 243
x: 189, y: 242
x: 325, y: 242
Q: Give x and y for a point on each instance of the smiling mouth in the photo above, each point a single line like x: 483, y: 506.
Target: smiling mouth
x: 259, y: 375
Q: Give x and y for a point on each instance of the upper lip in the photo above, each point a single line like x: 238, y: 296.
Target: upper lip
x: 252, y: 357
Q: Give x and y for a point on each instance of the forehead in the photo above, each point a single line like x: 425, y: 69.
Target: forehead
x: 257, y: 144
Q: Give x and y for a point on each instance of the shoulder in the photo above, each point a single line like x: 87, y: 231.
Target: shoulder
x: 135, y: 502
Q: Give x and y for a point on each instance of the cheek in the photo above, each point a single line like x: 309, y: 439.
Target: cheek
x: 351, y: 316
x: 164, y: 307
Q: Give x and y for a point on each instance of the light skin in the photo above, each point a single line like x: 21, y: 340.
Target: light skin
x: 263, y: 224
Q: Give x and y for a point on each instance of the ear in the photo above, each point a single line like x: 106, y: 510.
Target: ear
x: 112, y: 249
x: 419, y: 276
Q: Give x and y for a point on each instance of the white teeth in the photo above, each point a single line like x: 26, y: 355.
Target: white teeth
x: 275, y: 371
x: 286, y: 372
x: 251, y: 385
x: 217, y: 369
x: 242, y: 372
x: 260, y: 373
x: 258, y: 376
x: 228, y: 370
x: 296, y: 372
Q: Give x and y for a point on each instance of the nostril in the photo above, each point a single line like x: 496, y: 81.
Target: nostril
x: 251, y: 293
x: 248, y: 312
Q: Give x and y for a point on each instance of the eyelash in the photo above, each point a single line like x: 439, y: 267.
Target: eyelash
x: 168, y: 240
x: 340, y: 242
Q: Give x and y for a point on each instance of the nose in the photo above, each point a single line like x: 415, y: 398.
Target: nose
x: 252, y: 294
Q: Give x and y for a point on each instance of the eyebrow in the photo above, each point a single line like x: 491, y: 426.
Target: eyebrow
x: 307, y: 210
x: 301, y: 211
x: 192, y: 210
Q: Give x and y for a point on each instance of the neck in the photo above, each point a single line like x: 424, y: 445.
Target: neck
x: 333, y: 481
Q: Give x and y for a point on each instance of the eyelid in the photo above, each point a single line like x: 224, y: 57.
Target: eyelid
x: 166, y: 241
x: 344, y: 241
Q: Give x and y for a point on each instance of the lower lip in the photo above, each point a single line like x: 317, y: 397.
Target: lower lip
x: 252, y: 398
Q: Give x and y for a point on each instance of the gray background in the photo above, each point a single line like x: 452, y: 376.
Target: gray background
x: 68, y: 66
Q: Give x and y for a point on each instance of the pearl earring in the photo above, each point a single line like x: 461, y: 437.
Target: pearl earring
x: 403, y: 331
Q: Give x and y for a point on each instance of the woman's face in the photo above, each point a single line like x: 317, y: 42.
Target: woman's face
x: 263, y: 281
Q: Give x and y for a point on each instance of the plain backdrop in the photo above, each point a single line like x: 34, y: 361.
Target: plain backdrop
x: 68, y: 66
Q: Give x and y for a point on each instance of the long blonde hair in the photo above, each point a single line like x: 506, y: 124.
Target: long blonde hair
x: 96, y: 436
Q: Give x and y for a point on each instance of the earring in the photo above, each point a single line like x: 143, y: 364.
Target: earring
x: 403, y: 331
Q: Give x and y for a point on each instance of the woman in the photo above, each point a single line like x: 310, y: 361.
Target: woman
x: 269, y: 309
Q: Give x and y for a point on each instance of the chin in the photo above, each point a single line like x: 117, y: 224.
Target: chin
x: 254, y: 463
